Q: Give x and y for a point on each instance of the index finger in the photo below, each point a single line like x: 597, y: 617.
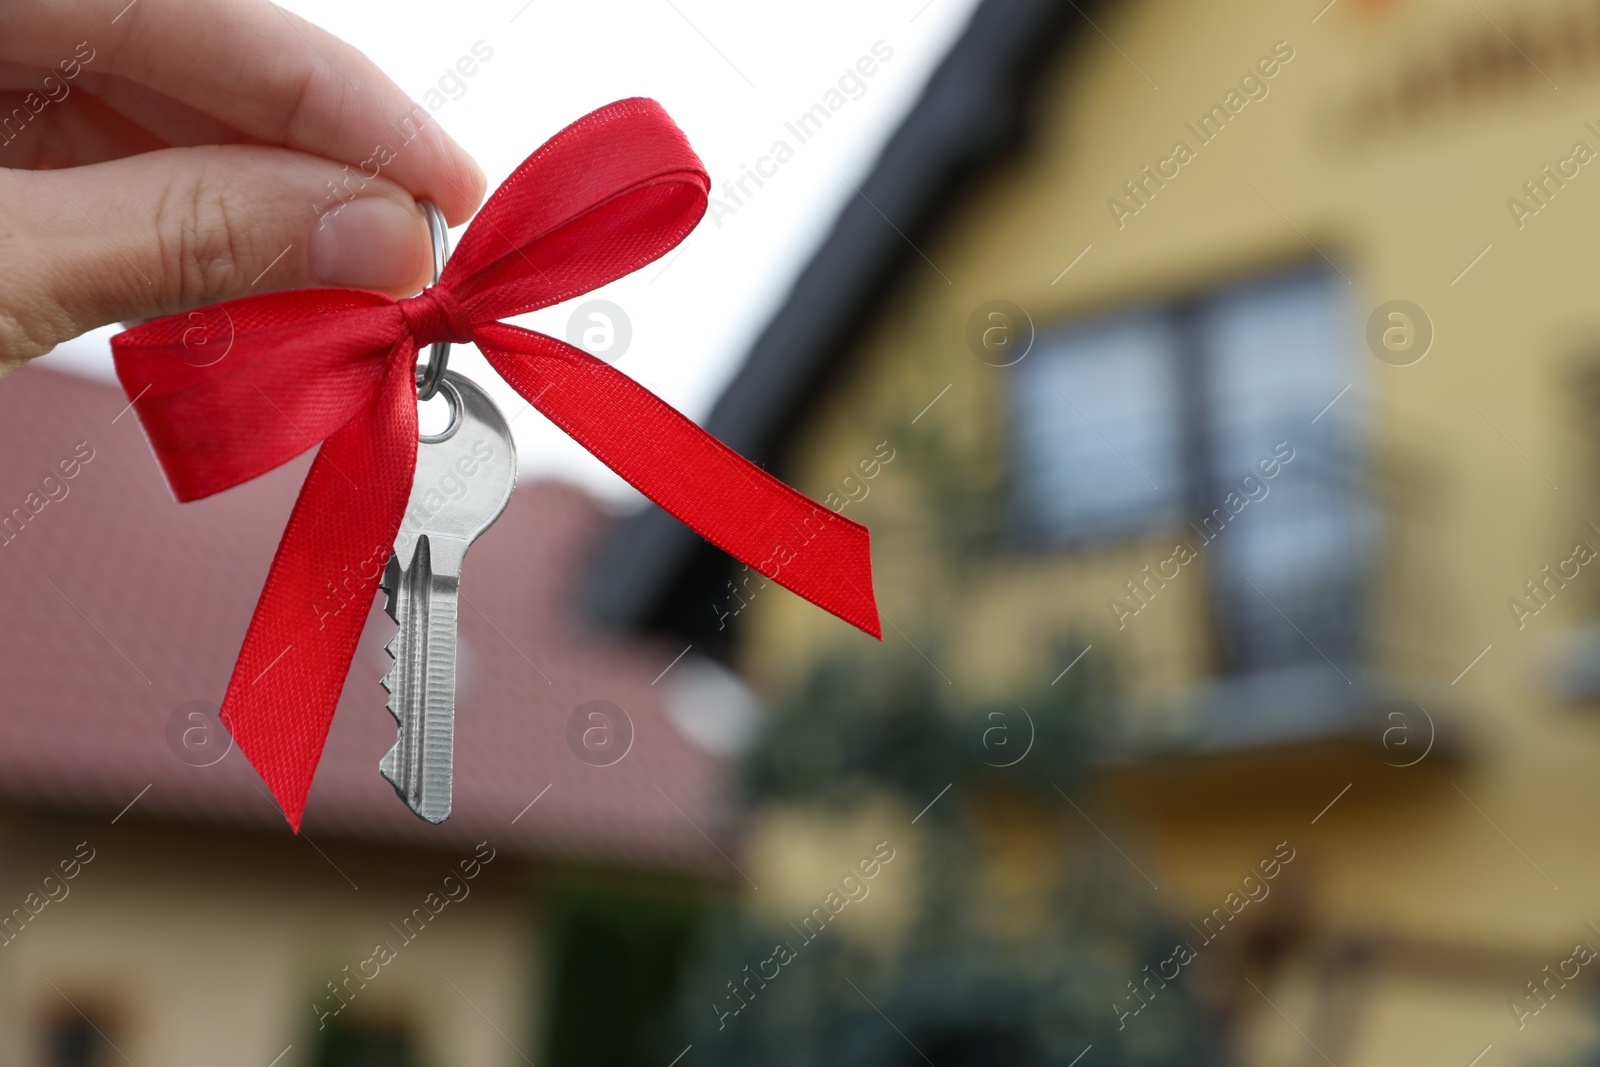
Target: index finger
x: 260, y: 69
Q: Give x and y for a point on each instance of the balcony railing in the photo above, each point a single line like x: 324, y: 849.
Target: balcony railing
x: 1290, y: 574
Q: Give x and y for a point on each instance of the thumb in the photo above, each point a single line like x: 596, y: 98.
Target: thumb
x: 165, y: 231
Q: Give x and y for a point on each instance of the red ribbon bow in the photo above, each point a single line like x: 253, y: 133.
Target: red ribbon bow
x: 602, y: 198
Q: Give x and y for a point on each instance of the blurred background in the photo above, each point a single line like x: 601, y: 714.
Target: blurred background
x: 1219, y: 384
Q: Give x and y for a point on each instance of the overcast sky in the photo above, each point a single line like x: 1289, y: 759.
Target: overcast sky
x: 731, y: 74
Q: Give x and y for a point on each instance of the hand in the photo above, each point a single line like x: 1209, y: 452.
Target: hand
x: 166, y: 154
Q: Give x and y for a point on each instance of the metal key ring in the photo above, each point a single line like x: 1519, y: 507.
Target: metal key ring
x: 429, y: 377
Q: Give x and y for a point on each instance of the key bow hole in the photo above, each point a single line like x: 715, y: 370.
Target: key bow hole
x: 438, y: 417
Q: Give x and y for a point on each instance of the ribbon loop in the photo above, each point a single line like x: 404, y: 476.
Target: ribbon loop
x: 228, y: 393
x: 435, y: 315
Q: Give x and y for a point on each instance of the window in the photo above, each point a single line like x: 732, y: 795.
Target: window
x: 1098, y: 425
x: 75, y: 1042
x: 1150, y: 422
x: 1276, y: 354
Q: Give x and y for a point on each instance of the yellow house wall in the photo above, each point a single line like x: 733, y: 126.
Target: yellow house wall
x: 206, y: 949
x: 1475, y: 455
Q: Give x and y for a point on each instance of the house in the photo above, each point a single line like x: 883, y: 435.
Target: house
x: 156, y: 906
x: 1250, y: 351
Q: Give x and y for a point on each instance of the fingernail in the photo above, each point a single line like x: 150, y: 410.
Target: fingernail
x: 371, y: 243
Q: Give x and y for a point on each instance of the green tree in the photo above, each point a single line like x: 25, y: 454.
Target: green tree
x: 886, y: 724
x: 955, y: 992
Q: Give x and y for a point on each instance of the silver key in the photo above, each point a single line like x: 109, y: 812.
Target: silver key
x: 464, y: 478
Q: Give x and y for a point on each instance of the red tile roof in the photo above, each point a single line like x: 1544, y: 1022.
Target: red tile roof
x: 118, y: 605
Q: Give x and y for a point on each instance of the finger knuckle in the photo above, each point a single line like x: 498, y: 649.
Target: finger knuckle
x: 208, y: 238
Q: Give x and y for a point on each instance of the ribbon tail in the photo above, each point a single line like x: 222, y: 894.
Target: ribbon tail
x: 790, y: 539
x: 297, y: 651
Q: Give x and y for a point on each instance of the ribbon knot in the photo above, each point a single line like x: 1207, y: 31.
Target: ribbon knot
x: 435, y: 315
x: 610, y: 193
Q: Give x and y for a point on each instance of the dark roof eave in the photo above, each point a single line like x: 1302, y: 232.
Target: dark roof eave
x: 972, y: 110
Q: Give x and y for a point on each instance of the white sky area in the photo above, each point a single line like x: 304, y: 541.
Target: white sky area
x: 730, y: 74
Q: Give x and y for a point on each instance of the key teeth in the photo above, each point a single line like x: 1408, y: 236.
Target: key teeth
x: 389, y: 765
x: 387, y: 681
x: 389, y: 581
x: 392, y: 581
x: 388, y: 687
